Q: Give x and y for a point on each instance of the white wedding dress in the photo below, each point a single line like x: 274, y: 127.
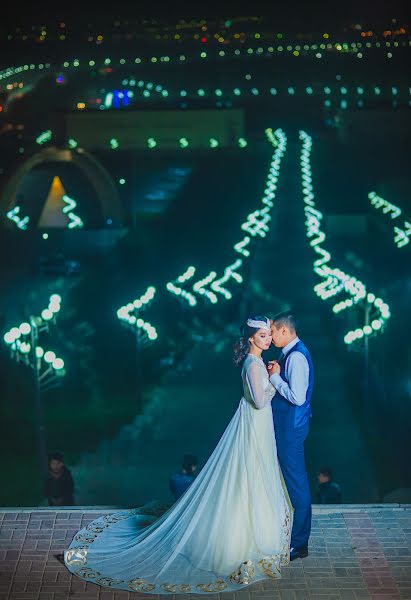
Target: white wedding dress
x: 231, y: 528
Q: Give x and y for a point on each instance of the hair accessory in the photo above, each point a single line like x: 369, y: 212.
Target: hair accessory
x: 259, y: 324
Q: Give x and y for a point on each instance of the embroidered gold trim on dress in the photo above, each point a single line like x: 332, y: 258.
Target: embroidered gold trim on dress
x: 244, y: 575
x: 218, y: 586
x: 109, y: 581
x: 76, y: 557
x: 139, y: 585
x: 176, y: 588
x: 87, y: 573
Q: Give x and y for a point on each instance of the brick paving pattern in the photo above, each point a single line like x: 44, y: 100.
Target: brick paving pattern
x: 356, y: 553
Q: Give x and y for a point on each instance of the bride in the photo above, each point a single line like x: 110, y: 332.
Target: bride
x: 231, y: 528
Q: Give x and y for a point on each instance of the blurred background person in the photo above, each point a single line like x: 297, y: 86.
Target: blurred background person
x: 181, y: 481
x: 328, y: 491
x: 59, y: 485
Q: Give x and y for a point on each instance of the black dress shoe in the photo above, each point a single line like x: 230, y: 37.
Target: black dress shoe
x: 60, y: 558
x: 298, y: 553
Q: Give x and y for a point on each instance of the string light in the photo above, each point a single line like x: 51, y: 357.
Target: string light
x: 230, y: 272
x: 17, y: 338
x: 402, y: 234
x: 21, y: 222
x: 240, y: 247
x: 385, y: 206
x: 200, y: 287
x: 335, y: 281
x: 174, y: 287
x: 44, y: 137
x: 256, y: 224
x: 74, y: 220
x: 130, y: 315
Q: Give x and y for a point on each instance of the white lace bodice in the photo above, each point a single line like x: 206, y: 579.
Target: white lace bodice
x: 258, y: 389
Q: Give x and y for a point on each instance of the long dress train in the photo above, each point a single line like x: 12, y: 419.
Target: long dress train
x: 231, y: 528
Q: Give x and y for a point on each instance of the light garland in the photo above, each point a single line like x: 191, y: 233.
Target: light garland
x: 18, y: 340
x: 112, y: 99
x: 334, y: 280
x: 230, y: 272
x: 130, y: 315
x: 354, y: 94
x: 174, y: 287
x: 275, y: 45
x: 401, y: 235
x: 240, y: 247
x: 385, y: 206
x: 21, y: 222
x: 257, y: 221
x: 182, y: 143
x: 216, y: 286
x: 200, y: 287
x: 256, y: 225
x: 44, y: 137
x: 74, y: 220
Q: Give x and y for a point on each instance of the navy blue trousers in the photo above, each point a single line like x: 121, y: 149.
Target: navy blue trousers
x: 290, y: 451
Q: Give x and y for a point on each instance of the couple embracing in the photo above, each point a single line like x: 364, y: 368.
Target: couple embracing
x: 248, y: 512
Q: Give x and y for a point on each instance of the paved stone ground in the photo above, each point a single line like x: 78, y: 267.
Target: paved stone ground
x: 357, y: 552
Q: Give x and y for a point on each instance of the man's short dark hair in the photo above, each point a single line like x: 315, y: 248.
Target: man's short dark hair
x: 189, y: 461
x: 327, y: 472
x: 56, y: 456
x: 286, y: 319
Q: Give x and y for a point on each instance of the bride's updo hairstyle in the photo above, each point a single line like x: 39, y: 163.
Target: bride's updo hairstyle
x: 247, y: 330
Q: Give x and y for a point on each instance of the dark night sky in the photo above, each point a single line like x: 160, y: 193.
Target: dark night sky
x: 286, y: 14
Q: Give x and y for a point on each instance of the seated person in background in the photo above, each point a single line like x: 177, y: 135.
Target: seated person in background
x: 181, y: 481
x: 59, y: 486
x: 328, y: 492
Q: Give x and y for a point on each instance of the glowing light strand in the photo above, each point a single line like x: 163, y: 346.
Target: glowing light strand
x: 21, y: 222
x: 240, y: 247
x: 174, y: 287
x: 401, y: 235
x: 210, y: 286
x: 75, y: 220
x: 19, y: 341
x: 334, y: 280
x: 230, y: 272
x: 384, y: 205
x: 44, y: 137
x: 257, y: 224
x: 130, y: 315
x: 200, y: 287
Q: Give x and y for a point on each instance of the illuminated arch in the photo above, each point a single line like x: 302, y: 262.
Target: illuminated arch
x: 89, y: 166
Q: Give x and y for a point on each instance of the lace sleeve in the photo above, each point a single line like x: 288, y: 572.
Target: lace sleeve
x: 254, y: 380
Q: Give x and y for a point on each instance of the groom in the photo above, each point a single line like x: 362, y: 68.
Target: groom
x: 293, y: 376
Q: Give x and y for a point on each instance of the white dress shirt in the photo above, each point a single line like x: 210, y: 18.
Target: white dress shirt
x: 297, y: 371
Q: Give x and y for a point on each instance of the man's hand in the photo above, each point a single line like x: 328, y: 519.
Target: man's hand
x: 273, y: 367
